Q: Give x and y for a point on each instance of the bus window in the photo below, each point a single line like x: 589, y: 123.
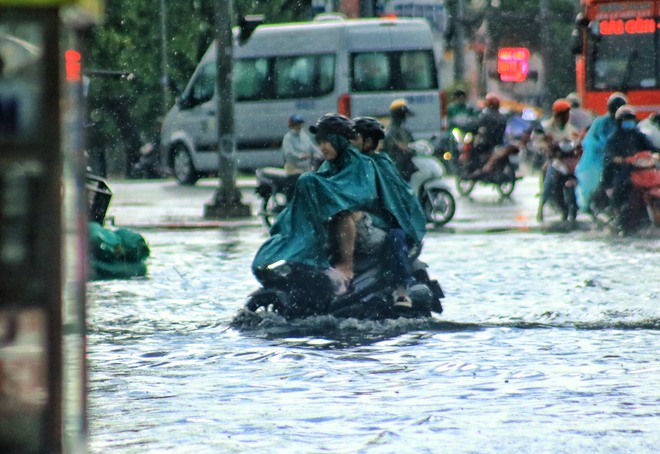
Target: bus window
x: 623, y: 61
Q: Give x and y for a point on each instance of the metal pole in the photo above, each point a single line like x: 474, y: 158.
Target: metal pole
x: 459, y: 43
x: 163, y: 55
x: 226, y: 202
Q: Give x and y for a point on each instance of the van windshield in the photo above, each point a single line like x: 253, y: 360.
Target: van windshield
x: 393, y: 71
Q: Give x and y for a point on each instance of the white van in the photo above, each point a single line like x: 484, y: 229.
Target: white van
x: 351, y: 66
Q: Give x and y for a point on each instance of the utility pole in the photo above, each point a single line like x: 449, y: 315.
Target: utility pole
x: 459, y: 43
x: 163, y: 56
x: 226, y: 201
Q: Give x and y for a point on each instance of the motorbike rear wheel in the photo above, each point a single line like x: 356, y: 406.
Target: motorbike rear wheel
x: 507, y: 180
x: 439, y: 206
x: 271, y: 206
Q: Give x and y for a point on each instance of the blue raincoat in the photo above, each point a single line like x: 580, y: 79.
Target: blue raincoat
x: 590, y: 168
x: 352, y: 182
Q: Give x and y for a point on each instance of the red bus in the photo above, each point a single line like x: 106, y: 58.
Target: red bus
x: 617, y: 43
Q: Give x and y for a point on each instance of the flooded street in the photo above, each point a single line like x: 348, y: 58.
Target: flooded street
x: 548, y: 343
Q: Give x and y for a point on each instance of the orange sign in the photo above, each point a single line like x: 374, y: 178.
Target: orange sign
x: 513, y: 64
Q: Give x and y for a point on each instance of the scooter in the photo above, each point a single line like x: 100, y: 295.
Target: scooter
x: 500, y: 169
x: 644, y: 201
x: 562, y: 193
x: 275, y: 187
x: 297, y: 291
x: 437, y: 201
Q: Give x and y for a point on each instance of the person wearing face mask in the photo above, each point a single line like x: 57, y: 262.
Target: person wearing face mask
x: 590, y: 168
x: 625, y: 141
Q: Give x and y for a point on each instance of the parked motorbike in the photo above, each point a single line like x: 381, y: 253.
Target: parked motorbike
x: 297, y: 291
x: 566, y: 155
x: 644, y: 201
x: 500, y: 169
x: 437, y: 201
x: 275, y: 187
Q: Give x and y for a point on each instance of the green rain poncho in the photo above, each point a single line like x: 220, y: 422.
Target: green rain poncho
x: 351, y: 182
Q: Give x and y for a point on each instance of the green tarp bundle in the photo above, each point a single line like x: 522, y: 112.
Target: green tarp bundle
x: 116, y: 254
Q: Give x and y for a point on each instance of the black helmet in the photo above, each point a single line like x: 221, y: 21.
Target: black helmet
x: 332, y: 123
x: 615, y: 101
x: 369, y: 127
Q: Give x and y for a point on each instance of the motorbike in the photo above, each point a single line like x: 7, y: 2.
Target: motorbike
x: 644, y: 201
x: 500, y: 169
x: 275, y: 188
x: 297, y: 291
x: 566, y: 155
x: 437, y: 201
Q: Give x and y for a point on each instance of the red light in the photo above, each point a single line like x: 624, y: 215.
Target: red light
x: 344, y: 105
x: 73, y: 66
x: 513, y: 64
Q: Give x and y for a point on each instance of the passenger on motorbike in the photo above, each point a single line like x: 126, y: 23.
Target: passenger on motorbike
x: 555, y: 130
x: 625, y: 141
x: 318, y: 226
x: 590, y: 167
x: 398, y: 138
x: 397, y: 244
x: 490, y: 127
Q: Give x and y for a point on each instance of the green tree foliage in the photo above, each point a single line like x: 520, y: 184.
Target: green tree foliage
x: 124, y: 64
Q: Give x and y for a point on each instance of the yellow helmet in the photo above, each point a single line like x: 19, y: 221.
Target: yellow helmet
x: 400, y: 107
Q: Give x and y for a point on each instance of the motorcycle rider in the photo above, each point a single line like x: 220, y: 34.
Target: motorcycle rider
x: 459, y: 114
x: 490, y: 127
x: 650, y: 126
x: 300, y: 153
x: 398, y: 138
x: 555, y: 129
x: 590, y: 167
x: 625, y: 141
x: 580, y: 118
x: 318, y: 228
x: 397, y: 244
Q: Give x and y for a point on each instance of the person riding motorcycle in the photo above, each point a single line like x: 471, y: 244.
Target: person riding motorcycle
x: 398, y: 138
x: 625, y: 141
x: 490, y: 127
x: 459, y: 114
x: 397, y: 244
x: 555, y: 130
x: 300, y: 153
x: 317, y: 228
x: 590, y: 167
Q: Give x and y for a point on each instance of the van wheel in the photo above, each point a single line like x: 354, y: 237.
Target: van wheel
x: 183, y: 167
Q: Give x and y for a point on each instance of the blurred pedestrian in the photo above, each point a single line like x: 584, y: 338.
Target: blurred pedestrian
x: 398, y: 138
x: 300, y: 153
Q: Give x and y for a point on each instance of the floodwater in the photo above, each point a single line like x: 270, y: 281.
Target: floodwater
x: 548, y: 343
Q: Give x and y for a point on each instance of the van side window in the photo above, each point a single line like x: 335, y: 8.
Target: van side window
x: 416, y: 70
x: 371, y: 72
x: 251, y: 79
x: 393, y: 71
x: 303, y: 76
x: 203, y: 86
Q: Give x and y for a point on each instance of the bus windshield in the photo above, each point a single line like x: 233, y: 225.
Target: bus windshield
x: 621, y: 60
